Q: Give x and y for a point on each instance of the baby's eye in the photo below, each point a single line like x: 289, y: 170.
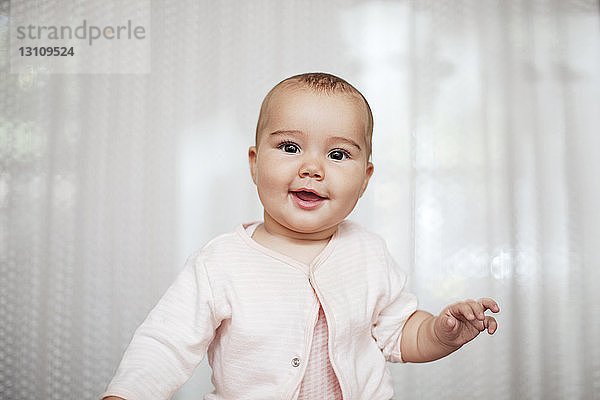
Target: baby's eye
x: 289, y: 147
x: 339, y: 155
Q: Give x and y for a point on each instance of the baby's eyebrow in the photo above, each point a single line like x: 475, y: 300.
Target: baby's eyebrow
x: 345, y: 140
x: 287, y: 132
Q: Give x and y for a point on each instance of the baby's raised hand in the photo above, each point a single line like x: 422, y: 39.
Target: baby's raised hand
x: 461, y: 322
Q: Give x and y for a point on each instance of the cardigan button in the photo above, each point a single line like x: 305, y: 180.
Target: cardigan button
x: 295, y: 362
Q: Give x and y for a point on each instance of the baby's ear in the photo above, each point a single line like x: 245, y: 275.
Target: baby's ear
x: 252, y: 153
x: 368, y: 175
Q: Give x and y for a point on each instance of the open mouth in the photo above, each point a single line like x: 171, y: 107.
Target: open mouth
x: 307, y: 199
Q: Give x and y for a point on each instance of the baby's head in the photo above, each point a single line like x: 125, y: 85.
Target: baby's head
x: 311, y: 158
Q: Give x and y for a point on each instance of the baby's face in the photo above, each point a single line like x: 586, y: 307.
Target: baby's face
x: 310, y: 164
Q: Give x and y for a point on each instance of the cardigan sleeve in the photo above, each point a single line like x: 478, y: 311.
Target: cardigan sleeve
x: 400, y: 304
x: 171, y: 342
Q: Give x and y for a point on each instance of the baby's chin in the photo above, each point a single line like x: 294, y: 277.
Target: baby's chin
x: 314, y: 231
x: 308, y: 225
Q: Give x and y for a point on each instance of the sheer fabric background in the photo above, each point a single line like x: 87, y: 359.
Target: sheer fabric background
x: 487, y: 158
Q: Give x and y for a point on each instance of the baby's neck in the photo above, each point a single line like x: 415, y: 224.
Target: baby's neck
x: 275, y: 228
x: 303, y: 250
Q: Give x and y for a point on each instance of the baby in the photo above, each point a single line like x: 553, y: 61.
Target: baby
x: 304, y: 305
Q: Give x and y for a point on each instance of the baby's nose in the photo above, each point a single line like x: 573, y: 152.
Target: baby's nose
x: 311, y: 170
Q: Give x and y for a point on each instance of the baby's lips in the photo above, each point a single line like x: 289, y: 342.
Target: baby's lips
x: 308, y: 196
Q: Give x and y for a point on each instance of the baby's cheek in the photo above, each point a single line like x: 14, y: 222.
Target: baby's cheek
x: 353, y: 187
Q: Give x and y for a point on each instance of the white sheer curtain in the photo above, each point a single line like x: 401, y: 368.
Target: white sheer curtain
x: 487, y: 156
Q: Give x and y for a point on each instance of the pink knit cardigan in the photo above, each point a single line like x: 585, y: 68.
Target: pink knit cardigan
x: 253, y: 311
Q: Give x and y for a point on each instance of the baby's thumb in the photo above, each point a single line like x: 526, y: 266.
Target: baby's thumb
x: 450, y: 323
x: 448, y: 327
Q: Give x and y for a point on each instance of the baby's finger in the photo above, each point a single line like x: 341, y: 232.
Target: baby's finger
x: 489, y: 304
x: 478, y: 309
x: 463, y: 309
x: 491, y: 324
x: 478, y: 324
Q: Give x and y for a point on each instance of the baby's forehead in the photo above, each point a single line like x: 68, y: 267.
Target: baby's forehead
x: 285, y: 93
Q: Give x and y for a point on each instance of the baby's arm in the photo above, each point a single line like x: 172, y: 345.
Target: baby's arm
x: 426, y: 337
x: 171, y: 342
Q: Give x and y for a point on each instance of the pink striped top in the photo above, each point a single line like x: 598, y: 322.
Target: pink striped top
x: 261, y: 353
x: 319, y: 380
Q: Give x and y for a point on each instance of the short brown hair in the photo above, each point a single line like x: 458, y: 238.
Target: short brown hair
x: 324, y: 83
